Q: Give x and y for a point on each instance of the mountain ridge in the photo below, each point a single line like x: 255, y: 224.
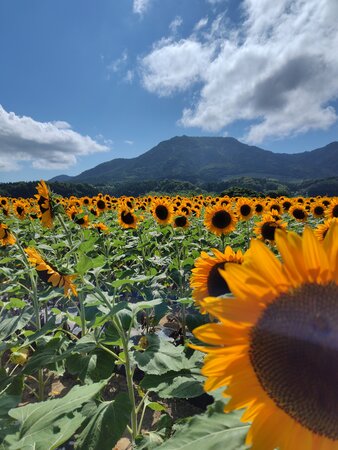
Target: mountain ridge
x: 203, y: 159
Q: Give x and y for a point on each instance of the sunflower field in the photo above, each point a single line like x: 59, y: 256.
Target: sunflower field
x: 168, y: 322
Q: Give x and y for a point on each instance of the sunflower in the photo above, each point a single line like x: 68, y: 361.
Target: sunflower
x: 19, y: 208
x: 259, y: 207
x: 245, y: 208
x: 206, y: 279
x: 298, y: 212
x: 321, y: 230
x: 286, y: 204
x: 6, y: 238
x: 162, y: 211
x: 276, y: 346
x: 101, y: 227
x: 318, y: 210
x: 101, y: 205
x: 266, y: 229
x: 50, y: 274
x: 332, y: 210
x: 220, y: 219
x: 127, y: 218
x: 45, y: 204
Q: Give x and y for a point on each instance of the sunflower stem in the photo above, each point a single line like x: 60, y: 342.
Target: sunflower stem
x: 129, y: 378
x: 36, y: 308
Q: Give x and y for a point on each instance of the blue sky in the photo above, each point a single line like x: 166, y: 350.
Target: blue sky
x: 85, y: 81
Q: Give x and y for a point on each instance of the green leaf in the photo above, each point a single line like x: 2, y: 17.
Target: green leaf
x: 86, y: 263
x: 107, y: 425
x: 91, y: 368
x: 162, y: 356
x: 155, y: 406
x: 46, y: 425
x: 216, y: 431
x: 9, y: 325
x: 145, y: 305
x: 11, y: 396
x: 183, y: 384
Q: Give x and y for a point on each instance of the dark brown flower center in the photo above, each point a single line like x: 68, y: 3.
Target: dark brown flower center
x: 335, y: 211
x: 101, y: 204
x: 216, y: 283
x: 294, y: 353
x: 268, y: 230
x: 245, y: 210
x: 299, y: 214
x: 259, y: 208
x: 162, y: 212
x: 318, y: 210
x: 221, y: 219
x: 127, y: 218
x: 287, y: 205
x: 180, y: 221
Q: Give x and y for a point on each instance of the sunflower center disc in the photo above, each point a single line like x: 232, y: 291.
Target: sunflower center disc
x: 294, y: 353
x: 180, y: 221
x: 221, y: 219
x: 299, y: 214
x: 127, y: 218
x: 162, y: 212
x: 216, y: 283
x: 268, y: 230
x: 245, y: 210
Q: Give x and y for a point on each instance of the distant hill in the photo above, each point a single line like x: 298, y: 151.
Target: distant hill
x: 207, y: 159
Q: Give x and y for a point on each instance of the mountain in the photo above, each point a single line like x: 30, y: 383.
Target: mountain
x: 205, y: 159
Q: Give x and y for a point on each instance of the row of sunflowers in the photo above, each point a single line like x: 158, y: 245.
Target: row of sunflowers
x: 232, y: 296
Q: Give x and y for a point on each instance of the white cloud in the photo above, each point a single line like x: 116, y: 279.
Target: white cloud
x: 127, y: 141
x: 174, y: 66
x: 140, y: 6
x: 277, y: 69
x: 175, y: 24
x: 201, y: 23
x: 46, y: 145
x: 118, y: 63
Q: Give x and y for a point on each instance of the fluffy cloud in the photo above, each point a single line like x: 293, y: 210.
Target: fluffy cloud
x: 277, y: 69
x: 46, y: 145
x: 175, y: 66
x: 140, y: 6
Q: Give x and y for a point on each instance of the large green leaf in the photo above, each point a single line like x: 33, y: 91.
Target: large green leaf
x: 210, y: 431
x: 8, y: 324
x: 161, y: 356
x: 46, y: 425
x: 86, y: 263
x: 107, y: 425
x: 182, y: 384
x: 11, y: 391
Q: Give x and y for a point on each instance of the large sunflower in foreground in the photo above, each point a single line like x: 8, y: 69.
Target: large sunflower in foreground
x: 206, y: 280
x: 50, y: 274
x: 276, y: 345
x: 220, y: 219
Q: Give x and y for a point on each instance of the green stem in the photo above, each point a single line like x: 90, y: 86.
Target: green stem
x: 141, y: 418
x: 36, y: 307
x: 68, y: 236
x: 109, y: 351
x: 129, y: 378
